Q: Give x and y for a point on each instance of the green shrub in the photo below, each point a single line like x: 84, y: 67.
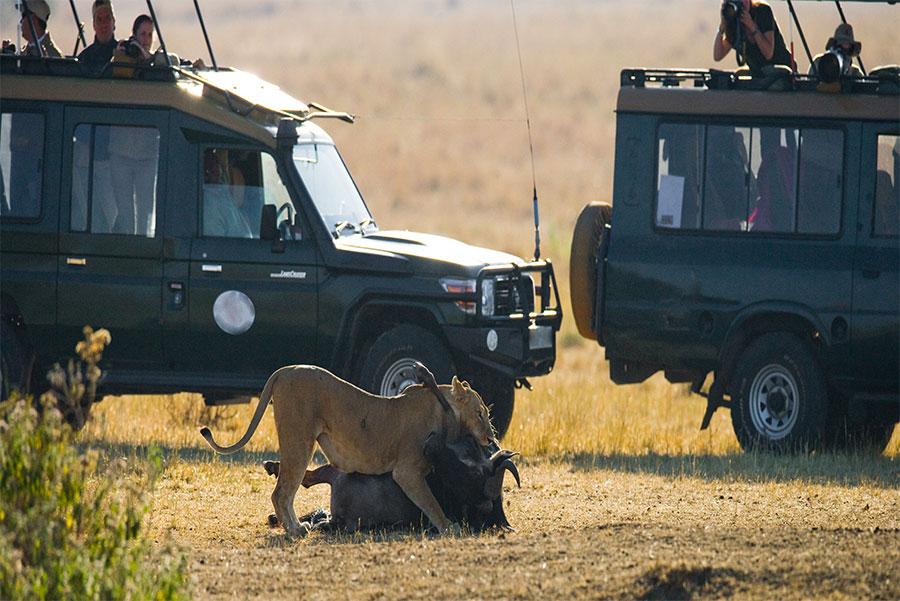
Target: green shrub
x: 70, y: 529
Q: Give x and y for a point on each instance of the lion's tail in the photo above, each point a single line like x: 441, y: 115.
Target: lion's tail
x: 265, y: 398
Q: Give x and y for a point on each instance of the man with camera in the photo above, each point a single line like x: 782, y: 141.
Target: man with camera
x: 35, y: 14
x: 137, y: 47
x: 749, y: 28
x: 96, y: 56
x: 837, y: 60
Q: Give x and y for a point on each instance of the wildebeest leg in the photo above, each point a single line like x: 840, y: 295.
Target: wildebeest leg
x: 290, y: 474
x: 413, y: 484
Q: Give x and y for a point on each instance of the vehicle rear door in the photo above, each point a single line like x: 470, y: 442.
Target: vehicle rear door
x: 252, y: 303
x: 876, y: 285
x: 110, y: 265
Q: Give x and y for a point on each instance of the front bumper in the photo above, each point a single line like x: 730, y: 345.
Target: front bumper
x: 520, y: 341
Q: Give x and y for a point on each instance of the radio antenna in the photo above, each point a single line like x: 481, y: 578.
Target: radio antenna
x: 537, y: 219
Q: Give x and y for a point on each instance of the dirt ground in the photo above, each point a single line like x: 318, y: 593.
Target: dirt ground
x: 651, y: 527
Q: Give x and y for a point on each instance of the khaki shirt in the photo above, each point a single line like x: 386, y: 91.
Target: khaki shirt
x: 50, y: 49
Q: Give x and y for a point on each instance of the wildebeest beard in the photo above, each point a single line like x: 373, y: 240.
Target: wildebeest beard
x: 467, y: 481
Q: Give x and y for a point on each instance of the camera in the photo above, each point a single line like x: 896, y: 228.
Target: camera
x: 832, y: 65
x: 732, y: 9
x: 132, y: 48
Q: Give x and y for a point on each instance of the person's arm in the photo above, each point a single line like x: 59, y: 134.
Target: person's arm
x: 721, y: 47
x: 761, y: 35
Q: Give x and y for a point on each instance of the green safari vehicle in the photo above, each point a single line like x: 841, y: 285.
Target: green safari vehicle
x: 753, y: 236
x: 204, y: 219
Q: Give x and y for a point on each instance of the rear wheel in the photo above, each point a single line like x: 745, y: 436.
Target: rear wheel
x: 389, y: 366
x: 588, y: 247
x: 779, y: 398
x: 14, y: 362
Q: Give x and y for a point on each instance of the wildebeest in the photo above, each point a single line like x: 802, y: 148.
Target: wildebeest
x: 467, y: 481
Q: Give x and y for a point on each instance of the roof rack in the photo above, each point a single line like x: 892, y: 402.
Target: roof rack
x: 879, y: 81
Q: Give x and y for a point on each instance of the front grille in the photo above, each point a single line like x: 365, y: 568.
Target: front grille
x: 513, y: 295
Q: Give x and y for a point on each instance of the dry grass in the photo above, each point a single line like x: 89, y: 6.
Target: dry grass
x: 623, y: 496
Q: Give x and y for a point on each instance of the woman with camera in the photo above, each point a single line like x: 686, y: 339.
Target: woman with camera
x: 751, y: 30
x: 137, y: 47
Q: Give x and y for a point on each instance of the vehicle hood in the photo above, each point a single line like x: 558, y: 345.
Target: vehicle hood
x: 426, y: 253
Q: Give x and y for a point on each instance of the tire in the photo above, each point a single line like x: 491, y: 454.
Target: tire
x: 867, y: 438
x: 388, y: 367
x: 859, y: 430
x: 499, y: 394
x: 779, y: 396
x: 14, y: 362
x: 589, y: 242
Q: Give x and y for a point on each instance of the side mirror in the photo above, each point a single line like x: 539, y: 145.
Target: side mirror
x: 268, y: 229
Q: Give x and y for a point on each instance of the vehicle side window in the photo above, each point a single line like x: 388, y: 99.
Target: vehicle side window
x: 820, y: 181
x: 114, y: 175
x: 729, y: 184
x: 887, y: 190
x: 754, y: 179
x: 236, y: 185
x: 21, y: 164
x: 680, y: 168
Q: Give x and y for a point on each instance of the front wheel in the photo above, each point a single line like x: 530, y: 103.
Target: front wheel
x: 779, y: 396
x: 389, y: 366
x: 499, y: 394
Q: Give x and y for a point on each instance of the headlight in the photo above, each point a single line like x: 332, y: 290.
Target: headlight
x: 487, y: 297
x: 457, y: 285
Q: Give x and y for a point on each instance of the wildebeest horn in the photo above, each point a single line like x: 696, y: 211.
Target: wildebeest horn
x: 502, y: 461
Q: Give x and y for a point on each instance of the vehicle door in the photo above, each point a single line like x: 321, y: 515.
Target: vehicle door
x: 876, y: 286
x: 252, y: 302
x: 29, y: 212
x: 110, y: 266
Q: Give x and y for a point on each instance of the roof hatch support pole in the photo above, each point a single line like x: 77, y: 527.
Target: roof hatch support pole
x: 162, y: 44
x: 80, y: 39
x: 212, y: 56
x: 800, y: 31
x: 844, y: 20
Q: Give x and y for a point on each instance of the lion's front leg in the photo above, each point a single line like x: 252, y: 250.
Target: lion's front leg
x: 412, y: 481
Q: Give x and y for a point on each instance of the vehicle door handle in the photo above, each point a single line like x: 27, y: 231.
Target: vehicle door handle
x: 208, y: 268
x: 871, y: 274
x: 76, y: 261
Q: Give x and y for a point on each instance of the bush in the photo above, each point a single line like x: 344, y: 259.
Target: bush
x: 69, y: 529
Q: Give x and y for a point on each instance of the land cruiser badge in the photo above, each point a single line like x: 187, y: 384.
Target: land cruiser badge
x: 288, y: 275
x: 234, y: 312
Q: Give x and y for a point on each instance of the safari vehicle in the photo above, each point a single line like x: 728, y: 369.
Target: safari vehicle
x: 753, y: 235
x: 204, y: 219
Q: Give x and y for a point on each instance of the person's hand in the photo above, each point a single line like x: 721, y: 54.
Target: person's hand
x: 748, y: 23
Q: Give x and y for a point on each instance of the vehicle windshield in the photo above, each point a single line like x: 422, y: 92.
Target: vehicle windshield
x: 332, y: 189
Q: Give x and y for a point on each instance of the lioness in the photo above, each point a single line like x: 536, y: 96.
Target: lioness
x: 358, y: 432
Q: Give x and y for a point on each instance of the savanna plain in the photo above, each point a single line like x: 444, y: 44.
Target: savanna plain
x: 622, y: 496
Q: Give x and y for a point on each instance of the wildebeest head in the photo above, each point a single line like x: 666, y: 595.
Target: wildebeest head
x: 468, y: 480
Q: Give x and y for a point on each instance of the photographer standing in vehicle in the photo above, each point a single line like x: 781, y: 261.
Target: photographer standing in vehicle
x: 35, y: 14
x: 837, y: 60
x: 750, y: 29
x: 137, y: 47
x: 97, y: 55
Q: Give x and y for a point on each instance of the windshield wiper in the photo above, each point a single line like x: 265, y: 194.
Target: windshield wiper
x: 340, y: 226
x: 367, y: 222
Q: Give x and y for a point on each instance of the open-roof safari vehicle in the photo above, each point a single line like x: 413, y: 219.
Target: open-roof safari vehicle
x: 204, y: 219
x: 753, y: 235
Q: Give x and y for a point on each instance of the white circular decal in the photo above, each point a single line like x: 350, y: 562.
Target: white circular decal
x: 234, y: 312
x: 492, y: 340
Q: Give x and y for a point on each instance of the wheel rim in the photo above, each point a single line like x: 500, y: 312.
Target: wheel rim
x: 400, y: 375
x: 774, y: 402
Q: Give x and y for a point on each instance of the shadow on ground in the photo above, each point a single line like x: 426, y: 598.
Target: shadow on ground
x: 188, y: 454
x: 828, y: 468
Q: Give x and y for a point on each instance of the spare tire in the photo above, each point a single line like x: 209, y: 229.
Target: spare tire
x: 589, y: 244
